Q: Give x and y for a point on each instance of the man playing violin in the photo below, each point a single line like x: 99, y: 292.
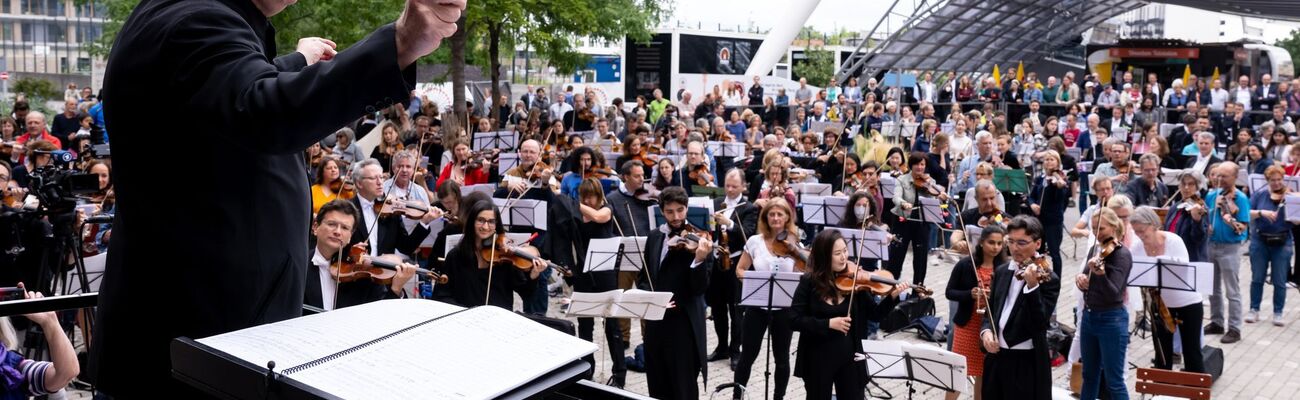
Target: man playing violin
x: 986, y: 213
x: 1015, y: 334
x: 332, y: 229
x: 696, y: 169
x: 386, y: 235
x: 528, y: 173
x: 674, y: 346
x: 739, y: 219
x: 407, y: 182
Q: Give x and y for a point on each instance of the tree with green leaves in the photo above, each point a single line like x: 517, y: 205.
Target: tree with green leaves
x: 818, y: 68
x: 1291, y: 44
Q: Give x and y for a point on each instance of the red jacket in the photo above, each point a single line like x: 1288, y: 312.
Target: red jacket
x: 46, y: 136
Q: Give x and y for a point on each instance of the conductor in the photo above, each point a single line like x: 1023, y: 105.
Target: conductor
x: 230, y: 255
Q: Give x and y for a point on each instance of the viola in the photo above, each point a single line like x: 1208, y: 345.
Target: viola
x: 1097, y: 262
x: 356, y: 265
x: 502, y: 252
x: 782, y: 248
x: 410, y: 208
x: 879, y: 282
x: 699, y: 174
x: 343, y: 188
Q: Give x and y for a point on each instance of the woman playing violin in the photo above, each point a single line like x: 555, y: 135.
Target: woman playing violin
x: 968, y: 286
x: 330, y: 184
x: 907, y: 207
x: 465, y: 167
x: 775, y: 248
x: 581, y: 166
x: 635, y: 148
x: 832, y: 323
x: 1103, y: 326
x: 776, y: 184
x: 596, y: 223
x: 389, y: 144
x: 472, y: 278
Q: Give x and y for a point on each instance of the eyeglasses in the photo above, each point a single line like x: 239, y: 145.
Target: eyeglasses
x: 1020, y: 243
x: 483, y: 221
x: 333, y: 225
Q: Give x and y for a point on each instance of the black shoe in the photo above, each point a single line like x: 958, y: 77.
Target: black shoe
x: 617, y: 381
x: 718, y: 354
x: 1214, y: 329
x: 1233, y: 336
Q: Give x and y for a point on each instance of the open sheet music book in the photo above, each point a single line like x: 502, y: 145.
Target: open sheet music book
x: 406, y: 348
x: 617, y: 303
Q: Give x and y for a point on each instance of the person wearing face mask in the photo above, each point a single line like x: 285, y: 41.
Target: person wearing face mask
x: 862, y: 212
x: 739, y: 219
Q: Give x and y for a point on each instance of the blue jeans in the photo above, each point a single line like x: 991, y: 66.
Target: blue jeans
x: 538, y: 302
x: 1262, y: 257
x: 1104, y: 336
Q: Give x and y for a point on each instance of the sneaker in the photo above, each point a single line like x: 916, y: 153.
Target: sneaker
x: 1252, y: 316
x: 1277, y: 320
x: 1233, y: 336
x: 1214, y: 329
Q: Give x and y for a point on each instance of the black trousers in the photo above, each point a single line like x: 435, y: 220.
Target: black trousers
x: 1294, y: 276
x: 670, y: 358
x: 1189, y: 330
x: 847, y: 382
x: 722, y: 298
x: 917, y: 236
x: 757, y: 322
x: 1052, y: 236
x: 1017, y: 374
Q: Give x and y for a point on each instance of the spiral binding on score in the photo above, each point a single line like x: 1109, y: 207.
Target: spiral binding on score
x: 353, y: 349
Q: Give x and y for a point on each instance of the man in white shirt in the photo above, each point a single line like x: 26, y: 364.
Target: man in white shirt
x: 400, y: 185
x: 559, y: 107
x: 925, y: 89
x: 1018, y: 365
x: 1108, y: 98
x: 1242, y: 92
x: 333, y: 227
x: 966, y: 170
x: 1218, y: 96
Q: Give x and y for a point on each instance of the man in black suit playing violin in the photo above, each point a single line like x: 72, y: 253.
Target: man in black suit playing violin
x: 332, y: 229
x: 1018, y: 364
x: 385, y: 234
x: 674, y: 345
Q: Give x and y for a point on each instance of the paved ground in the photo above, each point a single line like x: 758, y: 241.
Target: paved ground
x: 1264, y: 365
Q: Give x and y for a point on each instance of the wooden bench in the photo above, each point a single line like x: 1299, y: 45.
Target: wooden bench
x: 1189, y: 385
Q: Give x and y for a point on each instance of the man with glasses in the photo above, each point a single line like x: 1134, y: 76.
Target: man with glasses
x: 385, y: 235
x: 332, y: 228
x: 1015, y: 335
x: 696, y: 161
x: 1148, y: 190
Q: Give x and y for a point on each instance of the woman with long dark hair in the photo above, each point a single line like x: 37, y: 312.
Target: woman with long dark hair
x: 968, y: 287
x: 474, y: 281
x: 832, y: 323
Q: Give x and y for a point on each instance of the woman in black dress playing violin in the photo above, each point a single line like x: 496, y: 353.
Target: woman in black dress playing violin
x: 825, y: 314
x: 473, y: 280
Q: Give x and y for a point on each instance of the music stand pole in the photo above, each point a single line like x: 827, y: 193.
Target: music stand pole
x: 767, y: 364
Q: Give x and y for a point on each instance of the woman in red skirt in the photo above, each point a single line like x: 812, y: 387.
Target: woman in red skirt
x: 967, y: 285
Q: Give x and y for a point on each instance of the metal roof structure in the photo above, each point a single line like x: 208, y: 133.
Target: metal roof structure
x: 973, y: 35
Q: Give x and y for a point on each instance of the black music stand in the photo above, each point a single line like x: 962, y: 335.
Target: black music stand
x: 766, y: 282
x: 504, y: 140
x: 933, y: 366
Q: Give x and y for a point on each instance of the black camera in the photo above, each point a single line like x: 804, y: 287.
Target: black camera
x: 58, y: 187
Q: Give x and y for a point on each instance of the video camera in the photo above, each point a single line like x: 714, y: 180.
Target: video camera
x: 56, y: 185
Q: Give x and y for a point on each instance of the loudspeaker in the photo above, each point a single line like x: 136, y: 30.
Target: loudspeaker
x: 1213, y: 361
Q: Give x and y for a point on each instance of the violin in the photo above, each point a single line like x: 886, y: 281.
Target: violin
x: 646, y: 159
x: 996, y: 216
x: 782, y: 248
x: 502, y: 252
x: 343, y: 188
x: 699, y: 174
x: 1039, y: 264
x: 879, y: 282
x: 409, y: 208
x: 1097, y: 262
x: 356, y: 265
x: 601, y: 173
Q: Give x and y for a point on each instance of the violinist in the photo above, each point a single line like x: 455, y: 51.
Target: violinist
x: 1229, y: 215
x: 1183, y: 308
x: 665, y: 176
x: 697, y: 169
x: 907, y: 207
x: 384, y: 235
x: 1186, y: 216
x: 389, y: 144
x: 776, y: 183
x: 863, y: 211
x: 775, y: 248
x: 1048, y: 198
x: 1120, y: 168
x: 674, y: 346
x: 984, y: 152
x: 530, y: 172
x: 595, y: 221
x: 983, y: 172
x: 635, y: 148
x: 831, y: 322
x: 406, y: 182
x: 631, y: 205
x: 472, y: 279
x: 968, y: 288
x: 450, y: 201
x: 604, y: 138
x: 1017, y: 364
x: 985, y: 214
x: 1104, y: 188
x: 427, y: 140
x: 465, y: 167
x: 1103, y: 324
x: 333, y: 226
x: 853, y: 178
x: 736, y: 221
x: 1148, y: 190
x: 584, y: 159
x: 1271, y: 246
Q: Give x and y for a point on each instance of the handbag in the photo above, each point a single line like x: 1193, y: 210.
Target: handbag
x: 1274, y: 239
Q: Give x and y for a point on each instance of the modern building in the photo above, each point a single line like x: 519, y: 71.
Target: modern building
x: 50, y: 39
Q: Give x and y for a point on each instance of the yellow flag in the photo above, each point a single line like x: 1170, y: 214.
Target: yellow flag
x: 997, y: 77
x: 1187, y: 73
x: 1215, y: 77
x: 1020, y: 72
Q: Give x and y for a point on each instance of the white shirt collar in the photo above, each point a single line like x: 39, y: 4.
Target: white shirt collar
x: 318, y: 259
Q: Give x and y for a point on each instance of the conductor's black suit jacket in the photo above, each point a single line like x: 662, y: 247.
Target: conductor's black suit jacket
x: 200, y: 79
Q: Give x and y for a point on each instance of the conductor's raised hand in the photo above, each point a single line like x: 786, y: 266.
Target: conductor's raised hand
x: 422, y: 26
x: 317, y: 49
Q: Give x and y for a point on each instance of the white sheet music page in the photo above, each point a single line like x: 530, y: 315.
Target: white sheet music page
x: 300, y: 340
x: 636, y: 303
x: 480, y: 353
x: 596, y: 304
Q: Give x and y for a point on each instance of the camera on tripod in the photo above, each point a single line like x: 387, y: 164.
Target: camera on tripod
x: 56, y: 185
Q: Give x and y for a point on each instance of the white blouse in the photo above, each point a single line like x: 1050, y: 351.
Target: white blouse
x: 1175, y: 250
x: 763, y: 260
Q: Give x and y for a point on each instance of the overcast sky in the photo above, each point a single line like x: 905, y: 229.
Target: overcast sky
x: 830, y: 14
